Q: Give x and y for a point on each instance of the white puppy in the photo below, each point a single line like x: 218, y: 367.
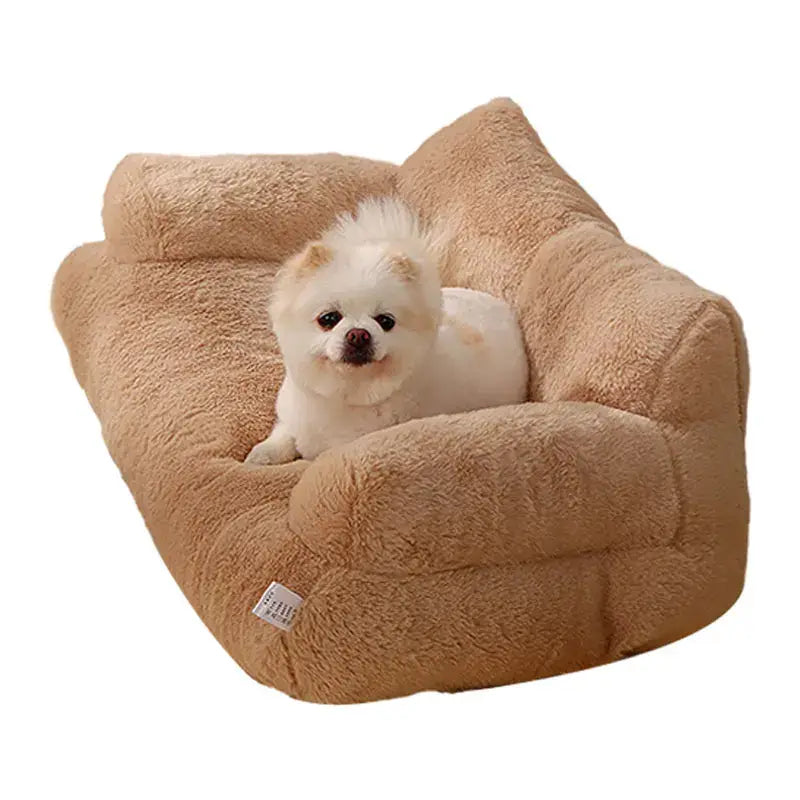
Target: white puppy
x: 370, y: 339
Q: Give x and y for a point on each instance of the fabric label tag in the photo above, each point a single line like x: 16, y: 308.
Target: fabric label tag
x: 278, y: 606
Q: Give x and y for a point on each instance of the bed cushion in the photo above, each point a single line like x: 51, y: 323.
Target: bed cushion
x: 605, y: 517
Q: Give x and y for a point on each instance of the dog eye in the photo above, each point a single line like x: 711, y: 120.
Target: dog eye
x: 329, y: 320
x: 385, y: 321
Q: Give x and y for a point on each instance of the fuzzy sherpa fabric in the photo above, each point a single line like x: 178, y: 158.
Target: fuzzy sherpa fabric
x: 603, y: 518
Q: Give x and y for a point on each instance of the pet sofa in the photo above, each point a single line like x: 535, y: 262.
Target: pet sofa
x: 604, y: 518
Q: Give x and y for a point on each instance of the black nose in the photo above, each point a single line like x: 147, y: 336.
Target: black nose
x: 358, y: 337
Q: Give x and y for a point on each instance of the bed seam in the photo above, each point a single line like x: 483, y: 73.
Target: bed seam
x: 677, y: 489
x: 172, y: 260
x: 666, y: 545
x: 675, y: 347
x: 681, y: 337
x: 294, y: 686
x: 737, y: 355
x: 683, y: 334
x: 151, y: 204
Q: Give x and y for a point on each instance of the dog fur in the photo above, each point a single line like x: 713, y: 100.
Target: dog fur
x: 400, y: 346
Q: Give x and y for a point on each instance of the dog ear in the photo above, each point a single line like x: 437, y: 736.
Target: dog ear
x: 404, y: 267
x: 313, y: 256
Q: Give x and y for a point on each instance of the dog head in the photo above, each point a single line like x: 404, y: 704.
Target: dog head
x: 357, y: 312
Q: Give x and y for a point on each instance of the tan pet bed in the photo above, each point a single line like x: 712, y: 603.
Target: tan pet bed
x: 606, y: 517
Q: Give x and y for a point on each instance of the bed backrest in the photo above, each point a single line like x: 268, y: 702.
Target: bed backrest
x: 264, y: 208
x: 601, y: 319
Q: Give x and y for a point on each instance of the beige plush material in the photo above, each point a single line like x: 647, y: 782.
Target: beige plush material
x: 606, y: 517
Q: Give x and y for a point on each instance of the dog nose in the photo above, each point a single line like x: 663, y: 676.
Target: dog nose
x: 358, y: 337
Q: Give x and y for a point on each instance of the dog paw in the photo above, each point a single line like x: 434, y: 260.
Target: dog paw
x: 272, y: 451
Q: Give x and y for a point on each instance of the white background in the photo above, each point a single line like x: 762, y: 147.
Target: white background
x: 681, y: 121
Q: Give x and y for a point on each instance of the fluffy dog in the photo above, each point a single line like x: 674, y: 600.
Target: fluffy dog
x: 369, y: 338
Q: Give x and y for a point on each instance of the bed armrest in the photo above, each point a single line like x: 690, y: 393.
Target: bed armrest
x: 160, y: 208
x: 502, y: 485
